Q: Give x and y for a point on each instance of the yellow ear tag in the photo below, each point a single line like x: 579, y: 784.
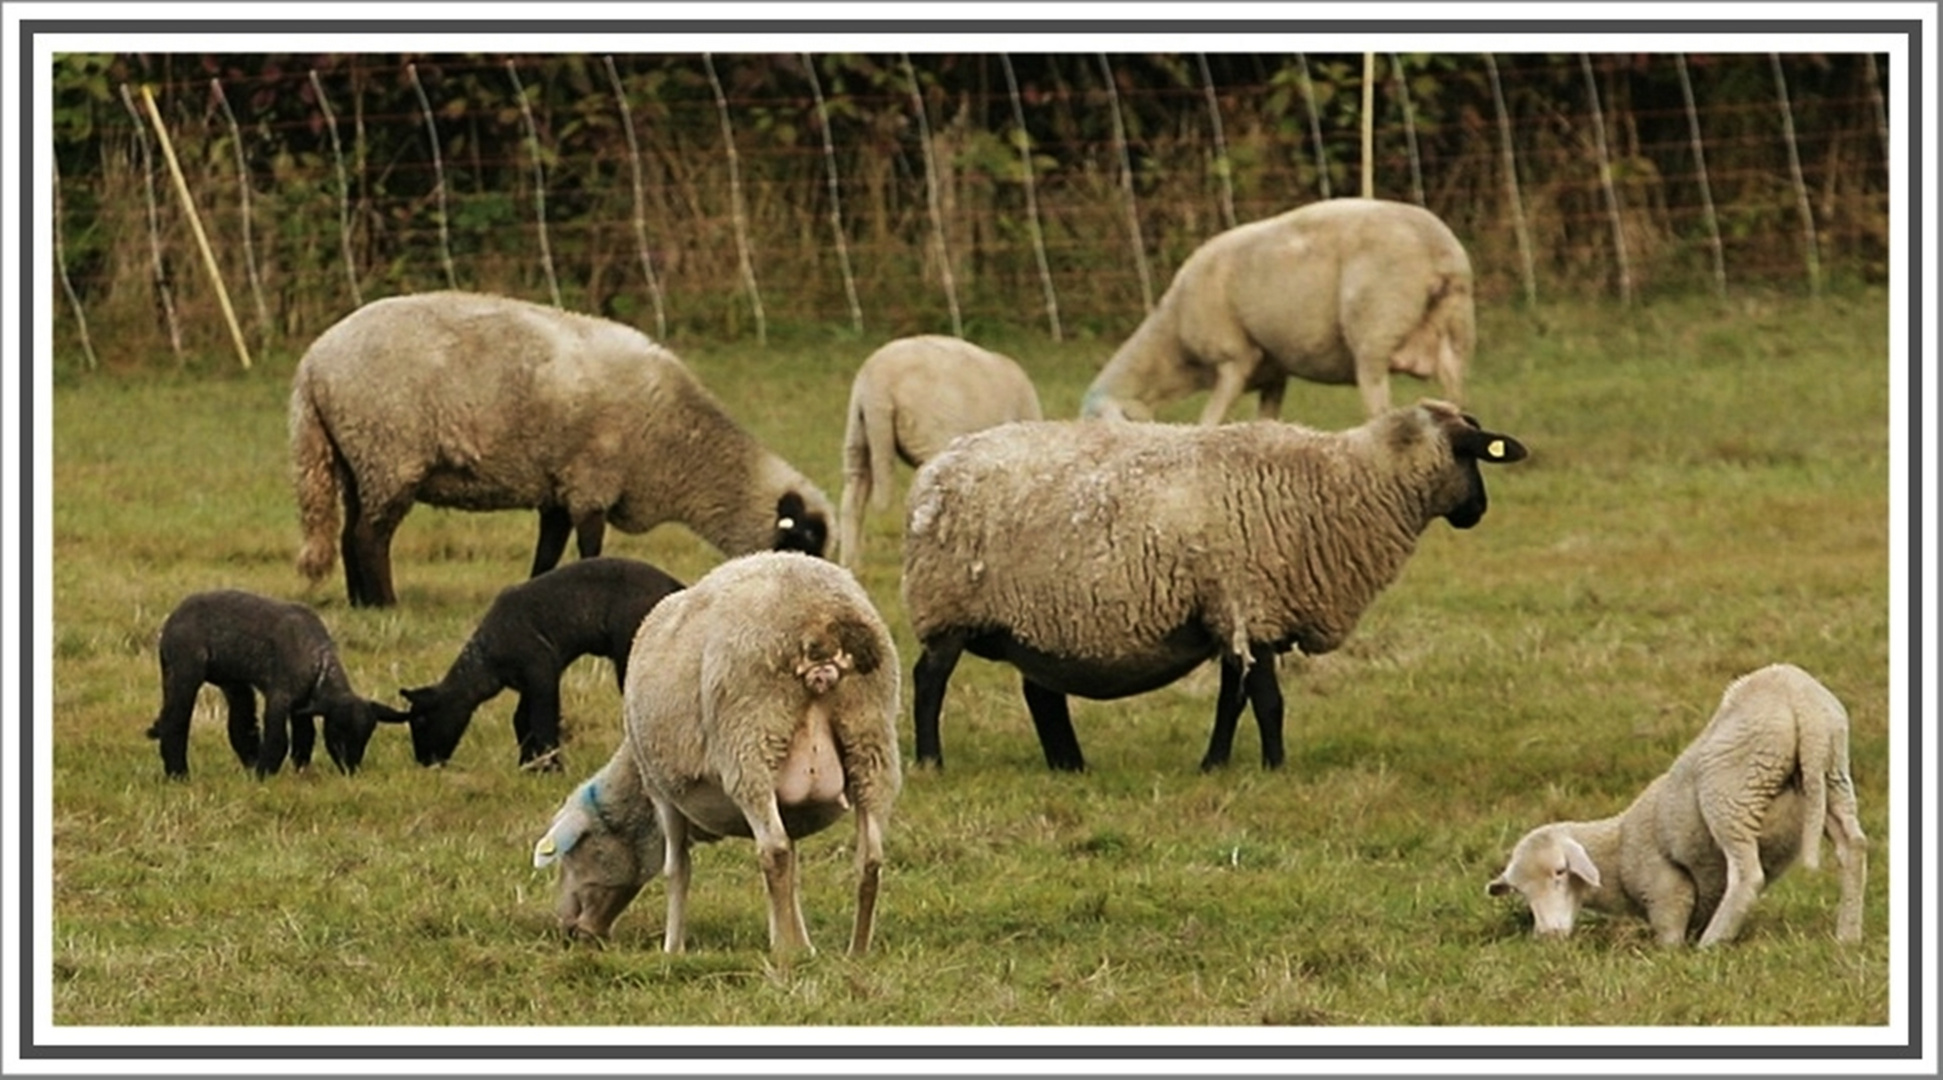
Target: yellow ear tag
x: 1496, y: 449
x: 547, y: 846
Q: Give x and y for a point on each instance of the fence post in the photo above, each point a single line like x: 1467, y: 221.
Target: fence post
x: 836, y: 206
x: 932, y: 198
x: 1706, y: 187
x: 1223, y: 167
x: 158, y: 270
x: 539, y: 182
x: 1511, y: 182
x: 1806, y: 211
x: 1024, y: 142
x: 1605, y: 181
x: 343, y: 190
x: 438, y: 177
x: 1409, y: 127
x: 195, y: 226
x: 1315, y: 123
x: 640, y: 200
x: 243, y: 190
x: 1126, y: 186
x: 1369, y: 125
x: 67, y: 283
x: 743, y: 256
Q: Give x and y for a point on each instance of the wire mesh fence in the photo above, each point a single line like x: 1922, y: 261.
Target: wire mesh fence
x: 725, y: 195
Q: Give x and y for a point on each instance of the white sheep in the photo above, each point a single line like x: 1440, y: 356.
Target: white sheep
x: 910, y: 398
x: 1766, y: 777
x: 1109, y: 559
x: 1340, y: 292
x: 761, y: 701
x: 488, y: 403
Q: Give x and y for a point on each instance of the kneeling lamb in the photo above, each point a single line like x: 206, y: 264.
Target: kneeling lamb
x: 1760, y: 785
x: 761, y: 701
x: 1110, y: 559
x: 247, y: 644
x: 526, y: 640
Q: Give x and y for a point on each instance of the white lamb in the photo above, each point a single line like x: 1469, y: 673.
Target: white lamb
x: 910, y: 398
x: 1760, y: 785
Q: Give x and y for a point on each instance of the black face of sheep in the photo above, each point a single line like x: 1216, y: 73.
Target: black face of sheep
x: 1473, y: 444
x: 348, y: 728
x: 798, y: 528
x: 437, y: 723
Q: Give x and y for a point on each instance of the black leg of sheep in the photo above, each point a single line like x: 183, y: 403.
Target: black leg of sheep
x: 1054, y: 722
x: 1257, y: 686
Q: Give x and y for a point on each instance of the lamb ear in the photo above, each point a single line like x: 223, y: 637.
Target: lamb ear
x: 560, y: 838
x: 1487, y: 445
x: 385, y: 714
x: 1498, y: 886
x: 1580, y: 863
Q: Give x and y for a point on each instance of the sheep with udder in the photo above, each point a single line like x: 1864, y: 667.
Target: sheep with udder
x: 482, y: 402
x: 1343, y: 291
x: 527, y: 638
x: 760, y: 702
x: 1757, y: 789
x: 1155, y: 547
x: 910, y: 398
x: 247, y: 644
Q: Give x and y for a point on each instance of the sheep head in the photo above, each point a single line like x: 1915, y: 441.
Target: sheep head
x: 603, y: 862
x: 1554, y: 873
x: 437, y: 723
x: 348, y: 727
x: 1469, y: 444
x: 799, y: 528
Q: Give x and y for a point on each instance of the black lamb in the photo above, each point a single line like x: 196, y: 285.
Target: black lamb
x: 530, y: 634
x: 247, y: 644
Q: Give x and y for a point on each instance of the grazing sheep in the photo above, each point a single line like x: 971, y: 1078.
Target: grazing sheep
x: 1766, y: 777
x: 1106, y: 560
x: 529, y: 635
x: 247, y: 644
x: 909, y: 399
x: 761, y: 701
x: 487, y: 403
x: 1342, y: 291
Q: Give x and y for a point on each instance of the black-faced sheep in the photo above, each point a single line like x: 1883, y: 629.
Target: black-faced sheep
x: 761, y: 702
x: 529, y: 635
x: 1155, y: 547
x: 247, y: 644
x: 488, y: 403
x: 1340, y: 292
x: 1757, y: 789
x: 910, y: 398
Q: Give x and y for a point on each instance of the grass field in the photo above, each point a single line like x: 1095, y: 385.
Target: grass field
x: 1708, y: 492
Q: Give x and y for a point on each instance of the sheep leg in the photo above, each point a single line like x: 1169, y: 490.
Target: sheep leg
x: 243, y: 736
x: 536, y: 721
x: 870, y: 862
x: 555, y: 525
x: 276, y: 734
x: 589, y: 532
x: 1265, y: 697
x: 303, y: 739
x: 1270, y: 405
x: 1230, y: 379
x: 788, y: 936
x: 1744, y: 881
x: 367, y: 560
x: 180, y: 683
x: 1228, y: 703
x: 674, y: 870
x: 1851, y: 854
x: 1054, y: 722
x: 928, y: 680
x: 1668, y: 895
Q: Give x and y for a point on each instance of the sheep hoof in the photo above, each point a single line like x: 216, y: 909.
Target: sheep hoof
x: 548, y: 762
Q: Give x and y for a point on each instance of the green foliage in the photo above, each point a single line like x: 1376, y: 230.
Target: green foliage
x: 1707, y: 492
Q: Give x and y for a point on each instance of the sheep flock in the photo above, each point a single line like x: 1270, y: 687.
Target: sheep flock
x: 763, y: 700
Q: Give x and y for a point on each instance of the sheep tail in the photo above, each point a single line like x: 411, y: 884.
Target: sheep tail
x: 318, y: 488
x: 1822, y: 751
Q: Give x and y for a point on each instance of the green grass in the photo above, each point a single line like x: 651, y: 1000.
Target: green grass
x: 1707, y: 492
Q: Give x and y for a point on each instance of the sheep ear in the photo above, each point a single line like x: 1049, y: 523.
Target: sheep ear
x: 385, y: 714
x: 1580, y: 863
x: 1487, y: 445
x: 1498, y: 886
x: 565, y: 832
